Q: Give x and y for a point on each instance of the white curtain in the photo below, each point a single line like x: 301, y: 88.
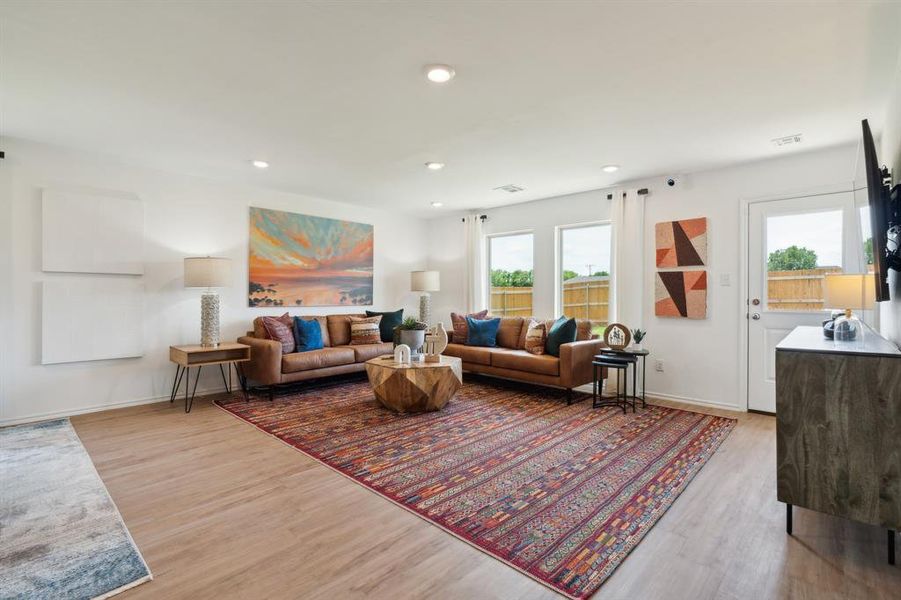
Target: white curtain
x: 475, y: 272
x: 627, y: 215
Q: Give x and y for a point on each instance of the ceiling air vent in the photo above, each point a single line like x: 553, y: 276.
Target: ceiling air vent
x: 510, y: 188
x: 787, y: 140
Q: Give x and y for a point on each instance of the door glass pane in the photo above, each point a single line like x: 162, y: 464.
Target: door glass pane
x: 510, y: 264
x: 586, y: 270
x: 801, y: 249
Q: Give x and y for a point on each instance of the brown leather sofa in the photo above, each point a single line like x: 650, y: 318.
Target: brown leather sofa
x: 510, y: 360
x: 269, y: 367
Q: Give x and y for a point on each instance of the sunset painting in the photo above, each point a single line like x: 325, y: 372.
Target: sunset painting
x: 300, y: 260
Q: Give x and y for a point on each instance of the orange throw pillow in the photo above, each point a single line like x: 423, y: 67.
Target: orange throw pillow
x: 536, y: 337
x: 365, y: 330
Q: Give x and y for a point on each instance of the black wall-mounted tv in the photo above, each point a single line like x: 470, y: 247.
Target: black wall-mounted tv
x: 885, y: 220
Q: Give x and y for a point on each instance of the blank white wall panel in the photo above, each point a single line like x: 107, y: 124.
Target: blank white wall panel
x: 91, y: 318
x: 92, y: 233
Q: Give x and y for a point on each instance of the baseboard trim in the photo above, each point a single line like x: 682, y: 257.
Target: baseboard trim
x: 697, y: 401
x: 57, y: 414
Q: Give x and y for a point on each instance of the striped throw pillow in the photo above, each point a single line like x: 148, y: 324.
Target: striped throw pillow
x: 365, y: 330
x: 536, y: 336
x: 277, y: 330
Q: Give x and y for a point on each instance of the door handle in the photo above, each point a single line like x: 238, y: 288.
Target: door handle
x: 756, y: 316
x: 756, y: 301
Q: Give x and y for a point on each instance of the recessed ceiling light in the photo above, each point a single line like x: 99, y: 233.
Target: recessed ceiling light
x: 437, y: 204
x: 439, y: 73
x: 434, y: 166
x: 610, y: 168
x: 260, y: 164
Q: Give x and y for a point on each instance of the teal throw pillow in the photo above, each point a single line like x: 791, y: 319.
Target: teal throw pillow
x: 482, y: 332
x: 307, y: 334
x: 389, y: 321
x: 563, y: 331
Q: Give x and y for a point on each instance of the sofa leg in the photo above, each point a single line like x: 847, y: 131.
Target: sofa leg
x: 569, y: 396
x: 271, y: 393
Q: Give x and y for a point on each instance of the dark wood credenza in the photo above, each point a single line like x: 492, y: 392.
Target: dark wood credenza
x: 838, y: 428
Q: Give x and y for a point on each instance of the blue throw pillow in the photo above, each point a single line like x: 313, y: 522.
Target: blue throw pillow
x: 482, y: 332
x: 563, y: 331
x: 307, y: 334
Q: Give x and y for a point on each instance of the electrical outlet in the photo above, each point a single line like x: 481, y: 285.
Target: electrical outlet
x: 658, y: 365
x: 725, y: 279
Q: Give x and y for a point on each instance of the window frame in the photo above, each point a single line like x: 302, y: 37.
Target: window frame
x: 488, y: 238
x: 558, y: 263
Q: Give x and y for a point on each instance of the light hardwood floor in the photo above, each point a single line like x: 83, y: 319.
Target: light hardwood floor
x: 221, y: 510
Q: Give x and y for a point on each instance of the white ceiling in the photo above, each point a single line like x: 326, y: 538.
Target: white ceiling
x: 333, y: 95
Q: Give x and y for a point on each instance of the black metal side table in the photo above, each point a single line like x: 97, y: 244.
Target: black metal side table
x: 618, y: 364
x: 636, y: 354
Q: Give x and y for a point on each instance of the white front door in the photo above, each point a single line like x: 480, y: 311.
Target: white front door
x: 792, y: 243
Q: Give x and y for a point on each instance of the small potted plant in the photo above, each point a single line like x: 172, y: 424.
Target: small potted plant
x: 637, y: 336
x: 412, y: 333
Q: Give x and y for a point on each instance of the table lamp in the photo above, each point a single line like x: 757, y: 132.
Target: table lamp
x: 849, y: 292
x: 425, y: 281
x: 208, y: 272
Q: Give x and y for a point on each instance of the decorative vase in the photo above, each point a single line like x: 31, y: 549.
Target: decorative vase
x: 414, y: 338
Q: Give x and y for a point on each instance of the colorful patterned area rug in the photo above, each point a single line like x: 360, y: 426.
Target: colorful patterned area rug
x: 561, y: 493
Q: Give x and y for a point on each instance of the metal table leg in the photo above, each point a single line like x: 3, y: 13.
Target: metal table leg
x: 222, y: 372
x: 179, y: 372
x: 242, y: 381
x: 190, y: 403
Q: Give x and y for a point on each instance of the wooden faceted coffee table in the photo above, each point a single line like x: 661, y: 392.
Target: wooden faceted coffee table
x: 417, y: 387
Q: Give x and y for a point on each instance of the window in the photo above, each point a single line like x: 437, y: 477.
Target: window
x: 801, y: 249
x: 866, y: 234
x: 585, y: 271
x: 510, y: 273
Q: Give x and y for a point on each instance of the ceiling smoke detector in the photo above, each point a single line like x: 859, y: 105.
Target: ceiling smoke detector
x: 787, y: 140
x: 510, y: 188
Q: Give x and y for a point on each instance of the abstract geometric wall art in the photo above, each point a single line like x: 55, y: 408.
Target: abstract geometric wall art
x: 681, y: 243
x: 301, y: 260
x: 681, y: 294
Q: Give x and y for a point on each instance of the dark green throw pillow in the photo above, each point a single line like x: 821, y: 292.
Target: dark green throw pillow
x: 563, y: 331
x: 389, y: 321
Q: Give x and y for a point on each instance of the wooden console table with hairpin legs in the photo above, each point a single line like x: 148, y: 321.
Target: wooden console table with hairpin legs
x: 185, y: 357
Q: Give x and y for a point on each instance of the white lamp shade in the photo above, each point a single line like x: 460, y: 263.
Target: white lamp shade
x: 855, y: 291
x: 207, y: 272
x: 425, y: 281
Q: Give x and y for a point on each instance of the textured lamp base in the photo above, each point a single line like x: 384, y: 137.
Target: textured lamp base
x: 209, y: 319
x: 425, y: 309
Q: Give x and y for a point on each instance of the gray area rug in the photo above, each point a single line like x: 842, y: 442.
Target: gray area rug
x: 61, y: 535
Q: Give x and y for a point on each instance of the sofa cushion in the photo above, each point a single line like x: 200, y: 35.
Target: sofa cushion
x: 307, y: 334
x: 339, y: 329
x: 364, y: 352
x: 260, y: 332
x: 563, y: 331
x: 389, y: 321
x: 520, y: 360
x: 482, y: 332
x: 323, y: 326
x: 365, y: 330
x: 509, y: 331
x: 461, y: 330
x: 277, y: 330
x: 536, y: 337
x: 470, y: 354
x: 317, y: 359
x: 583, y: 330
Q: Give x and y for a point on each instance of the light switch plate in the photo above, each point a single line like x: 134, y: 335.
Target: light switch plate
x: 725, y: 279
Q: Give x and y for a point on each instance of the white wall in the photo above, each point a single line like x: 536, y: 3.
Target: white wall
x: 184, y: 216
x: 701, y: 358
